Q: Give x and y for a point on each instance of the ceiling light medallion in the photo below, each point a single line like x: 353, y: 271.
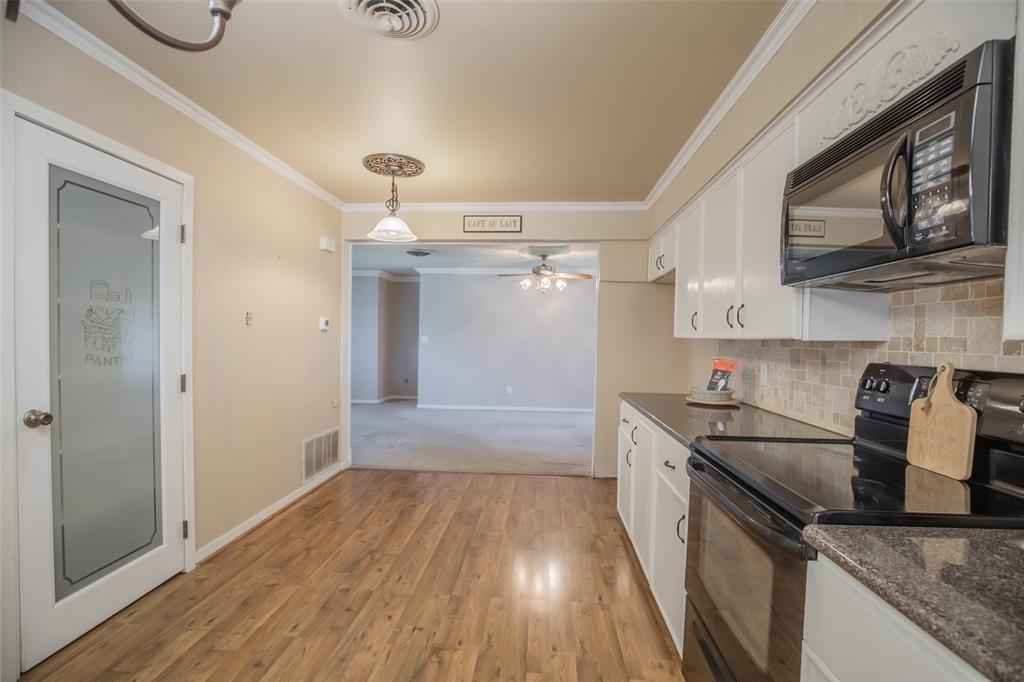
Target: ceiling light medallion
x: 391, y: 228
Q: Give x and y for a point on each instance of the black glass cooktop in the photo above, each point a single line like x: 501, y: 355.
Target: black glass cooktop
x: 840, y: 482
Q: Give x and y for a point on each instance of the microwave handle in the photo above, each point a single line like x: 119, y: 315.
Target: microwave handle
x: 896, y: 230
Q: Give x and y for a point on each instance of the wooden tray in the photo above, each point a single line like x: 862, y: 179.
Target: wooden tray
x: 713, y: 403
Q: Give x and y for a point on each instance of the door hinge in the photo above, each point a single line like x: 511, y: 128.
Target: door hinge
x: 182, y: 234
x: 182, y: 383
x: 184, y: 529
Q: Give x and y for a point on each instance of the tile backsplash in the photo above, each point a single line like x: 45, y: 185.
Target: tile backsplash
x: 815, y: 381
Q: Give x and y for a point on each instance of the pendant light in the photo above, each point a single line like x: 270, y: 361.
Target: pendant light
x: 219, y: 9
x: 391, y: 228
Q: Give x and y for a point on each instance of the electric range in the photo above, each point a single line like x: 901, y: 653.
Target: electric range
x: 751, y: 497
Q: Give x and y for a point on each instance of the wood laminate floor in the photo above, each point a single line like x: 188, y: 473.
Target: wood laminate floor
x: 395, y: 575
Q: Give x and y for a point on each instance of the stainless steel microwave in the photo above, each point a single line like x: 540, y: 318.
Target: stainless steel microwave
x: 914, y: 197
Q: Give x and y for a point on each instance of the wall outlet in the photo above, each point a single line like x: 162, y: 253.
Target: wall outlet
x: 764, y: 373
x: 508, y: 390
x: 334, y: 403
x: 328, y: 245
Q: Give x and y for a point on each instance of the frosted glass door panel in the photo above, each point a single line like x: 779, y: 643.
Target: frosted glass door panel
x: 105, y: 377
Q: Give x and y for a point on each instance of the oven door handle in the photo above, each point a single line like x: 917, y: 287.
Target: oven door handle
x: 713, y: 488
x: 897, y: 229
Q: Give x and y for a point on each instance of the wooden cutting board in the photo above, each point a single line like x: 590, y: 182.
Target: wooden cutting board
x: 942, y: 429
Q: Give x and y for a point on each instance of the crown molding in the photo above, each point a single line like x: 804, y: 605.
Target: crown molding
x: 488, y: 271
x: 788, y: 18
x: 384, y: 274
x: 513, y: 207
x: 67, y: 30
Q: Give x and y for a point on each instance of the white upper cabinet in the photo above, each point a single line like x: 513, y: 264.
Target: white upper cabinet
x: 661, y: 259
x: 689, y: 272
x: 766, y: 308
x: 720, y: 277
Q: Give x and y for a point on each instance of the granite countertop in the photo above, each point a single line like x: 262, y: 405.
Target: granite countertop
x: 964, y: 586
x: 685, y: 421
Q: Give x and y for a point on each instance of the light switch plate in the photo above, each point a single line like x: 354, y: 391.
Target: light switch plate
x: 325, y: 323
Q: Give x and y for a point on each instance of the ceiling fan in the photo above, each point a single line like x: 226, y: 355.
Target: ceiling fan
x: 544, y: 276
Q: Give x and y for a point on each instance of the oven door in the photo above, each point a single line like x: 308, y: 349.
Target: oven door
x: 745, y: 580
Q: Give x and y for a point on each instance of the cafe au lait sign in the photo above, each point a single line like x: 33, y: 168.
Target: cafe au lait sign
x: 492, y: 223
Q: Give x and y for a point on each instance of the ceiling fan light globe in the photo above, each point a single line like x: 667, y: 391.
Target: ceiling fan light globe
x: 391, y: 228
x: 526, y: 284
x: 545, y: 282
x: 561, y: 284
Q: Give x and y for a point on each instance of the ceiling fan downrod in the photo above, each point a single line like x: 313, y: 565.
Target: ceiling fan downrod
x: 220, y: 9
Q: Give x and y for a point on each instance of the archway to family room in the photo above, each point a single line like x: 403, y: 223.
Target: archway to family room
x: 456, y: 366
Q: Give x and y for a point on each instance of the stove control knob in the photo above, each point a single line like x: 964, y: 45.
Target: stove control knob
x: 867, y: 384
x: 1021, y: 406
x: 884, y: 386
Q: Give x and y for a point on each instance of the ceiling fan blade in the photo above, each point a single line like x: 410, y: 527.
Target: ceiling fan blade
x: 515, y: 274
x: 572, y: 275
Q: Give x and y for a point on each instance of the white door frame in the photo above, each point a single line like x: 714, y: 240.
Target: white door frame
x: 14, y: 107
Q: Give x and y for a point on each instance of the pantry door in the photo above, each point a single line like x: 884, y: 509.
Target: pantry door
x: 98, y: 351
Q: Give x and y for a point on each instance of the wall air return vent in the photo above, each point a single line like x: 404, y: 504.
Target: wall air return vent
x: 407, y: 19
x: 319, y: 453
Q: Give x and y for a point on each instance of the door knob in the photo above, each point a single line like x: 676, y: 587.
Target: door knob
x: 35, y: 418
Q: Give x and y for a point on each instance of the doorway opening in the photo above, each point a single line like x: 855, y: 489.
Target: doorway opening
x: 473, y: 357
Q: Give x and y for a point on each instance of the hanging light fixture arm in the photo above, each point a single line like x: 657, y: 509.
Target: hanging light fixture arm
x: 220, y: 9
x: 393, y: 204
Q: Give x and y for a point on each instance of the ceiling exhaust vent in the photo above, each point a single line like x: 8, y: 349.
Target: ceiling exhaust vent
x: 407, y: 19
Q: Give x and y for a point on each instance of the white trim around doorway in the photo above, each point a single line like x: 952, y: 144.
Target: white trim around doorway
x: 13, y: 107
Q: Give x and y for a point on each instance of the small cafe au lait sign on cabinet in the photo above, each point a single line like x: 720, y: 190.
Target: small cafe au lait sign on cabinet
x: 492, y: 223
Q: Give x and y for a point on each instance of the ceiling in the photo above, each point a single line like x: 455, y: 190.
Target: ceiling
x: 506, y: 101
x: 393, y: 258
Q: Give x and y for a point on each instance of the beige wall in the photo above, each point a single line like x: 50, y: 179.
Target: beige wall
x: 258, y: 391
x: 822, y: 35
x: 636, y: 350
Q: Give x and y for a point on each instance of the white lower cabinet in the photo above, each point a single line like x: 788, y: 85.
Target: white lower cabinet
x: 668, y: 563
x: 653, y: 494
x: 852, y: 635
x: 624, y: 491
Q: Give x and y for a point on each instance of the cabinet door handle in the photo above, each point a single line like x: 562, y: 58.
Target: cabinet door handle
x: 678, y: 534
x: 628, y: 452
x: 738, y: 311
x: 728, y: 317
x: 670, y: 465
x: 632, y: 435
x: 693, y: 321
x: 625, y: 421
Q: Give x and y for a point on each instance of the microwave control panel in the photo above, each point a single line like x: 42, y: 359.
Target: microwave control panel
x: 931, y: 186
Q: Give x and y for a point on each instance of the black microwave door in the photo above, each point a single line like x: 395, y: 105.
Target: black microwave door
x: 854, y: 217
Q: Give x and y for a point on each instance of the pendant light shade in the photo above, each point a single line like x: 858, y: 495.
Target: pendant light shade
x: 391, y: 228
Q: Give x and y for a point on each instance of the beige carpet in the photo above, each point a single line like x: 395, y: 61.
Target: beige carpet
x: 398, y: 435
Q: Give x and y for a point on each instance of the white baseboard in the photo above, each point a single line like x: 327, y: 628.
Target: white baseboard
x: 504, y: 408
x: 261, y: 516
x: 382, y: 400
